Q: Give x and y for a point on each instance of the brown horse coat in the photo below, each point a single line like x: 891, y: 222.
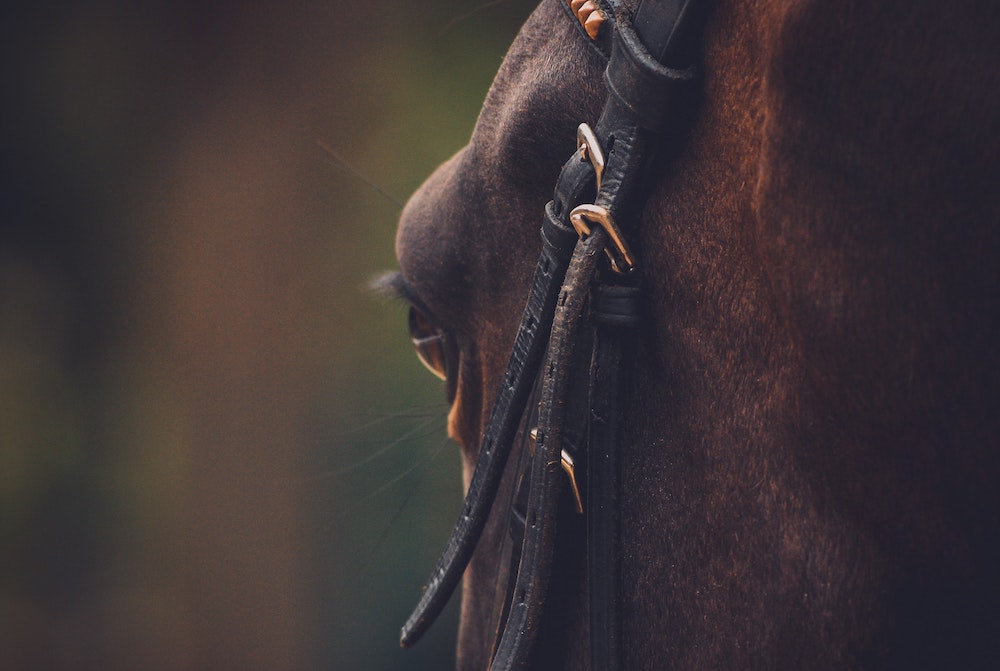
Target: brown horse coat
x: 810, y: 474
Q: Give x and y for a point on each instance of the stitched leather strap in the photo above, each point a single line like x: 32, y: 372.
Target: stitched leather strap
x: 532, y: 335
x: 546, y: 475
x: 615, y: 314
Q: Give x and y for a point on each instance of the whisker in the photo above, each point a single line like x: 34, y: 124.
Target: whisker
x: 384, y: 534
x: 467, y: 15
x: 415, y: 432
x: 425, y: 460
x: 428, y: 411
x: 341, y: 163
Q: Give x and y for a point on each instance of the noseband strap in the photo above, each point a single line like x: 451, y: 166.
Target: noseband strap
x: 646, y: 102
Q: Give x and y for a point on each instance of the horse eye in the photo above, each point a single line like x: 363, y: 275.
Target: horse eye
x: 428, y: 341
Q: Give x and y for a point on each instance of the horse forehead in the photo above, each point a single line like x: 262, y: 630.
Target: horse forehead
x: 459, y: 233
x: 434, y: 241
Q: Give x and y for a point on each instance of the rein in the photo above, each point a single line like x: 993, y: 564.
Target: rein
x: 585, y: 295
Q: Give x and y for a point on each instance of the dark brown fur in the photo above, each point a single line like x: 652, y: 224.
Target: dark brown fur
x: 812, y: 464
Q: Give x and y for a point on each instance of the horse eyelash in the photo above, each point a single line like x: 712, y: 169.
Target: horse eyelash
x: 393, y: 285
x: 390, y: 284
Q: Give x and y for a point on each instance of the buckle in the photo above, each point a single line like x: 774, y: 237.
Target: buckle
x: 566, y: 461
x: 617, y: 249
x: 590, y: 150
x: 584, y: 216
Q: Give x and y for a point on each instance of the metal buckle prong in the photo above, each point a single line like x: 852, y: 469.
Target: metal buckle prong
x: 583, y: 216
x: 567, y: 465
x: 617, y: 250
x: 590, y: 150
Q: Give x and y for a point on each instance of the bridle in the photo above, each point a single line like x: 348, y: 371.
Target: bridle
x: 581, y: 314
x: 647, y: 100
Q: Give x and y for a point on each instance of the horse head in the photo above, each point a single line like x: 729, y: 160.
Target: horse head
x: 809, y: 455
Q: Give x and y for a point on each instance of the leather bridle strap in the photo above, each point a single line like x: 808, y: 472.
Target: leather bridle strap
x: 558, y: 240
x: 615, y: 314
x: 642, y: 107
x: 641, y: 93
x: 546, y: 477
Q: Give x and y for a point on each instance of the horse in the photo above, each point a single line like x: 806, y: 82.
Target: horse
x: 809, y: 454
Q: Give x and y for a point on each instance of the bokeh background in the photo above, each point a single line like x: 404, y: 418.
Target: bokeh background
x: 217, y: 451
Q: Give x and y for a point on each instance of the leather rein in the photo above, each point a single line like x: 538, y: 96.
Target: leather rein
x: 579, y: 323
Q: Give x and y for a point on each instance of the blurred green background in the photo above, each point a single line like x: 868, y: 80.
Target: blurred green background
x: 216, y: 450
